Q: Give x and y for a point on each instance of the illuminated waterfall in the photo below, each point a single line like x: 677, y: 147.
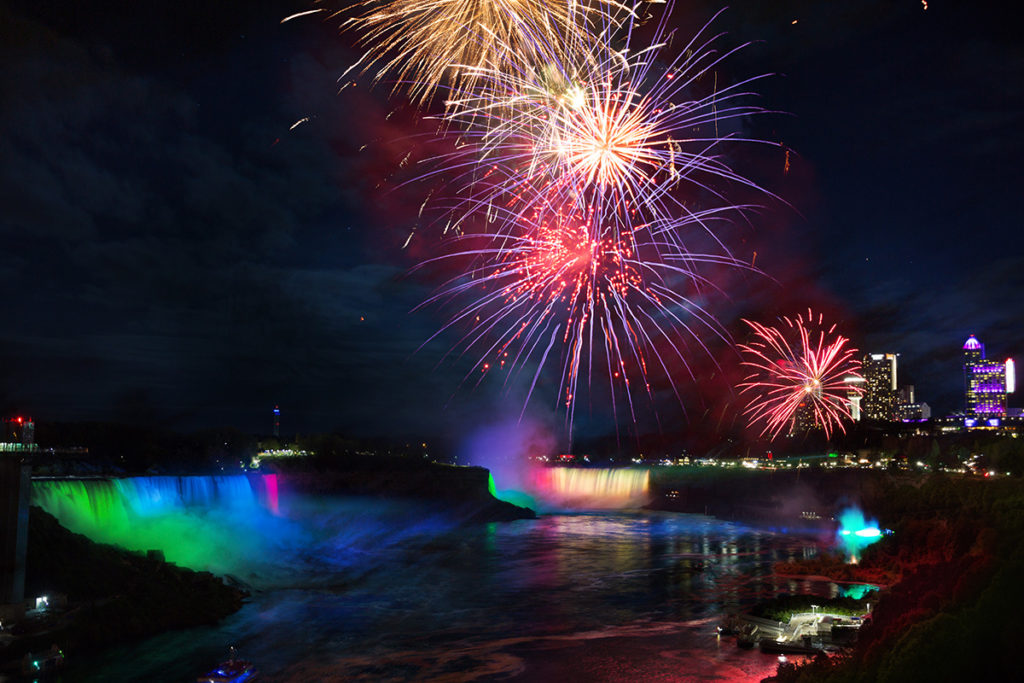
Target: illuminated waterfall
x: 585, y: 488
x: 232, y: 525
x: 113, y: 502
x: 192, y: 519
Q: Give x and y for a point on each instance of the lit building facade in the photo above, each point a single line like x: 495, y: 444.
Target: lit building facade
x: 909, y: 410
x: 804, y: 419
x: 879, y: 370
x: 18, y: 434
x: 854, y: 396
x: 915, y: 412
x: 985, y: 382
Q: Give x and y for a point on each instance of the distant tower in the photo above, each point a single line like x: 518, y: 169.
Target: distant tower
x: 277, y: 422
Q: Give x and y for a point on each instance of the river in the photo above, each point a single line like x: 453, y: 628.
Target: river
x: 351, y: 589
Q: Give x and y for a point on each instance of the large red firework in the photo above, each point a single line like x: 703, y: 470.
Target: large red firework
x: 568, y: 290
x: 799, y: 371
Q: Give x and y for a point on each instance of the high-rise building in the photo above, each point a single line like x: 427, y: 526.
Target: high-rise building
x: 854, y: 396
x: 984, y: 382
x: 804, y: 419
x: 879, y: 370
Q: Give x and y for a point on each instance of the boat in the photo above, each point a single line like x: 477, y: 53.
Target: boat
x: 730, y: 626
x: 746, y: 642
x: 747, y: 637
x: 233, y: 670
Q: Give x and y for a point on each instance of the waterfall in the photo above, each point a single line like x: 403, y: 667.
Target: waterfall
x: 574, y: 487
x: 192, y: 519
x: 116, y: 502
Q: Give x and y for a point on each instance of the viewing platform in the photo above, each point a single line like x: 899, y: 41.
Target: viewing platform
x: 807, y: 633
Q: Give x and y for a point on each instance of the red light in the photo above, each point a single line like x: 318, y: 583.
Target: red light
x: 19, y: 420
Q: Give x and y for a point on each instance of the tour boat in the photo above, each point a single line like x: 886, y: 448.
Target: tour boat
x: 234, y: 670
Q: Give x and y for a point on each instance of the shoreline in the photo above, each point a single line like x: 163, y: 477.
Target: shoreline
x: 103, y: 595
x: 829, y: 579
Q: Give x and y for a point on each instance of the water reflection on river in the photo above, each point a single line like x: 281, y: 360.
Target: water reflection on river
x: 597, y: 597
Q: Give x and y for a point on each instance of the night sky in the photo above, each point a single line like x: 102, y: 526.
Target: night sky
x: 174, y: 252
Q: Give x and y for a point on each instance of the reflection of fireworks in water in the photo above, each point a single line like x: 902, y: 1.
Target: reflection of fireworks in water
x: 425, y: 44
x: 566, y: 286
x: 799, y: 365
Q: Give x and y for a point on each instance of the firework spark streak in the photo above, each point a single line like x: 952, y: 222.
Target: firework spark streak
x: 609, y: 127
x: 799, y: 365
x: 425, y: 44
x: 568, y: 286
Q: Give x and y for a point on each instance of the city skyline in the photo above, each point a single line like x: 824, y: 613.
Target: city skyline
x: 988, y: 384
x: 194, y: 231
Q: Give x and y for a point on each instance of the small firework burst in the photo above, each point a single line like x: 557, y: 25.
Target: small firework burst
x: 798, y: 370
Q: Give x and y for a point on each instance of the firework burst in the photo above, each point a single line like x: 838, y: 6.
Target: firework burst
x: 569, y: 292
x: 580, y: 164
x: 427, y: 45
x: 611, y: 127
x: 798, y: 370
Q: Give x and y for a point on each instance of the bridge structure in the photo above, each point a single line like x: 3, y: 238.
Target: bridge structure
x: 15, y: 489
